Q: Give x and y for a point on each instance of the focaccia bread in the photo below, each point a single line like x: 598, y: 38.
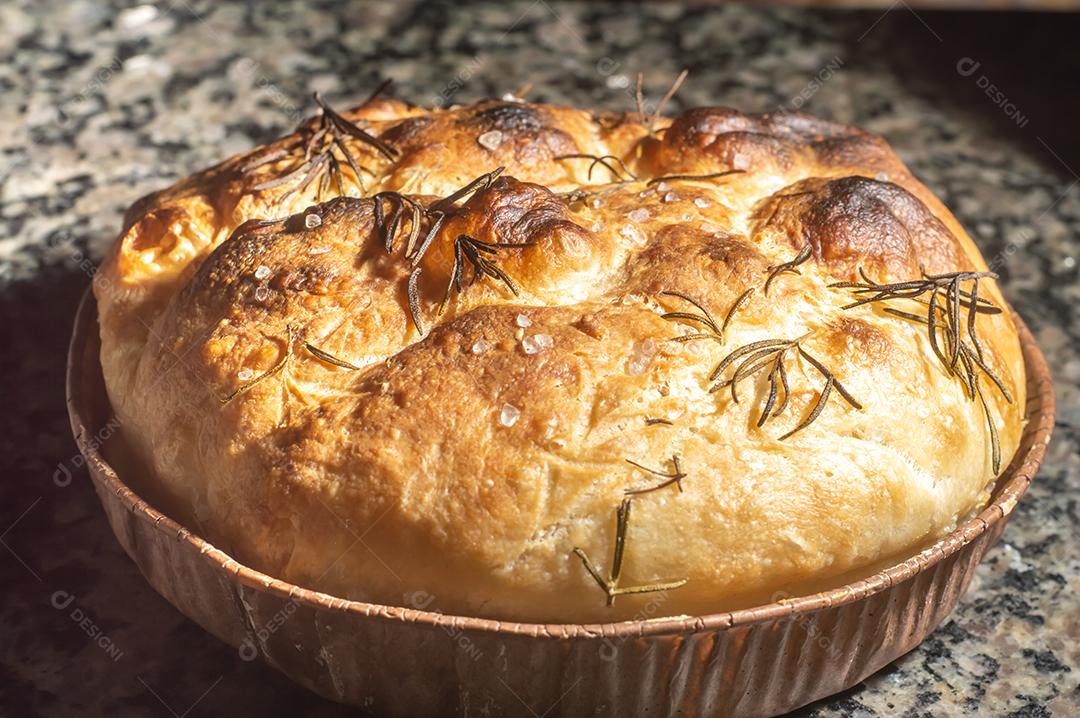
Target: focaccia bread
x: 535, y: 363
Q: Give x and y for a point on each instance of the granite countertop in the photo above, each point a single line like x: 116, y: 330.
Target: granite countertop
x: 102, y: 102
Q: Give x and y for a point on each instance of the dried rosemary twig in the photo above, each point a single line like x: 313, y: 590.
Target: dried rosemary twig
x: 952, y: 335
x: 639, y: 98
x: 650, y: 421
x: 791, y: 266
x: 610, y: 585
x: 677, y: 178
x: 277, y: 367
x: 666, y: 98
x: 605, y: 161
x: 481, y: 256
x: 712, y: 329
x: 753, y: 358
x: 675, y: 477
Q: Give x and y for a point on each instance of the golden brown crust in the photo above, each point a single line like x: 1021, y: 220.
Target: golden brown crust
x: 262, y: 353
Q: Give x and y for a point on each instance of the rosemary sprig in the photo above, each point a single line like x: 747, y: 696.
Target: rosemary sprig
x: 481, y: 256
x: 791, y: 266
x: 277, y: 367
x: 650, y: 421
x: 387, y: 225
x: 952, y: 336
x: 750, y: 359
x: 675, y: 477
x: 330, y: 358
x: 676, y: 178
x: 393, y: 209
x: 434, y: 216
x: 610, y: 586
x: 345, y: 127
x: 324, y: 152
x: 477, y: 185
x: 605, y: 161
x: 712, y: 329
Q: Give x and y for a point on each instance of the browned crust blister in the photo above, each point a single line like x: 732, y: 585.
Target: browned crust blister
x: 458, y: 414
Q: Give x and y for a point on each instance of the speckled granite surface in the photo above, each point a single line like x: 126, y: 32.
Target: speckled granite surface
x: 101, y: 103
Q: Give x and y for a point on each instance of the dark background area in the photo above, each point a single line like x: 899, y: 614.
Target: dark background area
x: 98, y: 109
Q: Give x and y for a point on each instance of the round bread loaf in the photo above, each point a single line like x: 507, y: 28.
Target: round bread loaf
x: 535, y: 363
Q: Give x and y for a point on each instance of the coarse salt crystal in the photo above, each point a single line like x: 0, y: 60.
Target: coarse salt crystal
x: 480, y: 346
x: 663, y: 187
x: 509, y: 415
x: 245, y: 374
x: 701, y: 202
x: 638, y: 215
x: 315, y: 251
x: 641, y: 358
x: 491, y: 140
x: 262, y: 272
x: 523, y: 321
x: 536, y: 343
x: 311, y: 221
x: 262, y: 292
x: 670, y: 197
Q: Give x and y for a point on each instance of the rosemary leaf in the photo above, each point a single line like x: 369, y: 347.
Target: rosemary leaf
x: 278, y: 366
x: 677, y: 178
x: 330, y: 358
x: 790, y: 267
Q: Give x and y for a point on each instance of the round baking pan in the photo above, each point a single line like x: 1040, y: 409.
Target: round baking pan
x: 760, y: 661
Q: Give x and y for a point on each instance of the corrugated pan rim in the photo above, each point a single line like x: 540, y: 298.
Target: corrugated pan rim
x: 1010, y: 487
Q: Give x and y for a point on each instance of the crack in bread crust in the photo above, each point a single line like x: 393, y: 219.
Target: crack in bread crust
x: 371, y: 459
